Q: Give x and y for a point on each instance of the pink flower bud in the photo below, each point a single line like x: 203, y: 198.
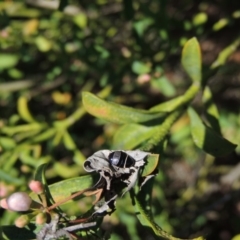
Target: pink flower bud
x: 19, y: 201
x: 22, y: 221
x: 36, y: 186
x: 41, y: 218
x: 3, y: 203
x: 144, y: 78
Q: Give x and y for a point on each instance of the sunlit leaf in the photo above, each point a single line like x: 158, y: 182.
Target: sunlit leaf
x: 211, y: 110
x: 161, y: 131
x: 115, y: 112
x: 66, y: 188
x: 80, y: 20
x: 66, y: 171
x: 236, y: 237
x: 142, y: 25
x: 129, y: 136
x: 207, y: 139
x: 5, y: 176
x: 43, y: 44
x: 140, y: 67
x: 8, y: 60
x: 164, y: 86
x: 221, y: 23
x: 192, y: 59
x: 225, y: 53
x: 23, y: 110
x: 177, y: 102
x: 200, y: 18
x: 68, y: 141
x: 7, y: 143
x: 152, y: 163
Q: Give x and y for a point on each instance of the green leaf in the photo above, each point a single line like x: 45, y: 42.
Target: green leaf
x: 236, y: 237
x: 220, y: 24
x: 164, y: 86
x: 142, y: 202
x: 8, y: 60
x: 225, y: 53
x: 43, y: 44
x: 7, y: 143
x: 211, y: 110
x: 115, y: 112
x: 140, y: 67
x: 129, y: 136
x: 200, y: 19
x: 68, y: 141
x: 23, y: 110
x: 207, y: 139
x: 161, y: 131
x: 151, y: 164
x: 65, y: 171
x: 178, y: 102
x: 142, y: 25
x: 63, y: 189
x: 5, y: 176
x: 80, y: 20
x: 192, y: 60
x: 40, y: 173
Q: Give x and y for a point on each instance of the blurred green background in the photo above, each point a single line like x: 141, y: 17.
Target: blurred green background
x: 127, y: 51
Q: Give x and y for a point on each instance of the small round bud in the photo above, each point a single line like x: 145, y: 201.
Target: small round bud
x: 41, y: 218
x: 36, y: 186
x: 22, y: 221
x: 19, y: 201
x: 144, y: 78
x: 3, y: 203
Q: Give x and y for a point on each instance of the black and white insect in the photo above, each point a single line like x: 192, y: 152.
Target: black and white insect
x: 114, y: 164
x: 121, y: 159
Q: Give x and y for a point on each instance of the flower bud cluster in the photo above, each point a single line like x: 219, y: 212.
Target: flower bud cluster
x: 21, y: 202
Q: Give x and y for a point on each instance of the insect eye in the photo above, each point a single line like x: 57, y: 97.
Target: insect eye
x: 121, y: 159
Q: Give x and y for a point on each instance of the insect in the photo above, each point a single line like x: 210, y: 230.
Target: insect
x: 121, y: 159
x: 124, y: 165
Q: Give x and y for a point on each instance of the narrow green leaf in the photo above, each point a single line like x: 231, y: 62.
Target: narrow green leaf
x: 7, y: 143
x: 8, y: 60
x: 142, y: 203
x: 23, y: 110
x: 225, y: 53
x: 115, y: 112
x: 65, y: 171
x: 81, y: 20
x: 5, y: 176
x: 164, y: 86
x: 178, y: 102
x: 129, y: 136
x: 207, y: 139
x: 211, y: 110
x: 40, y: 173
x: 63, y: 189
x: 49, y: 133
x: 142, y: 25
x: 140, y: 67
x: 151, y: 164
x: 192, y: 60
x: 68, y: 141
x: 161, y: 131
